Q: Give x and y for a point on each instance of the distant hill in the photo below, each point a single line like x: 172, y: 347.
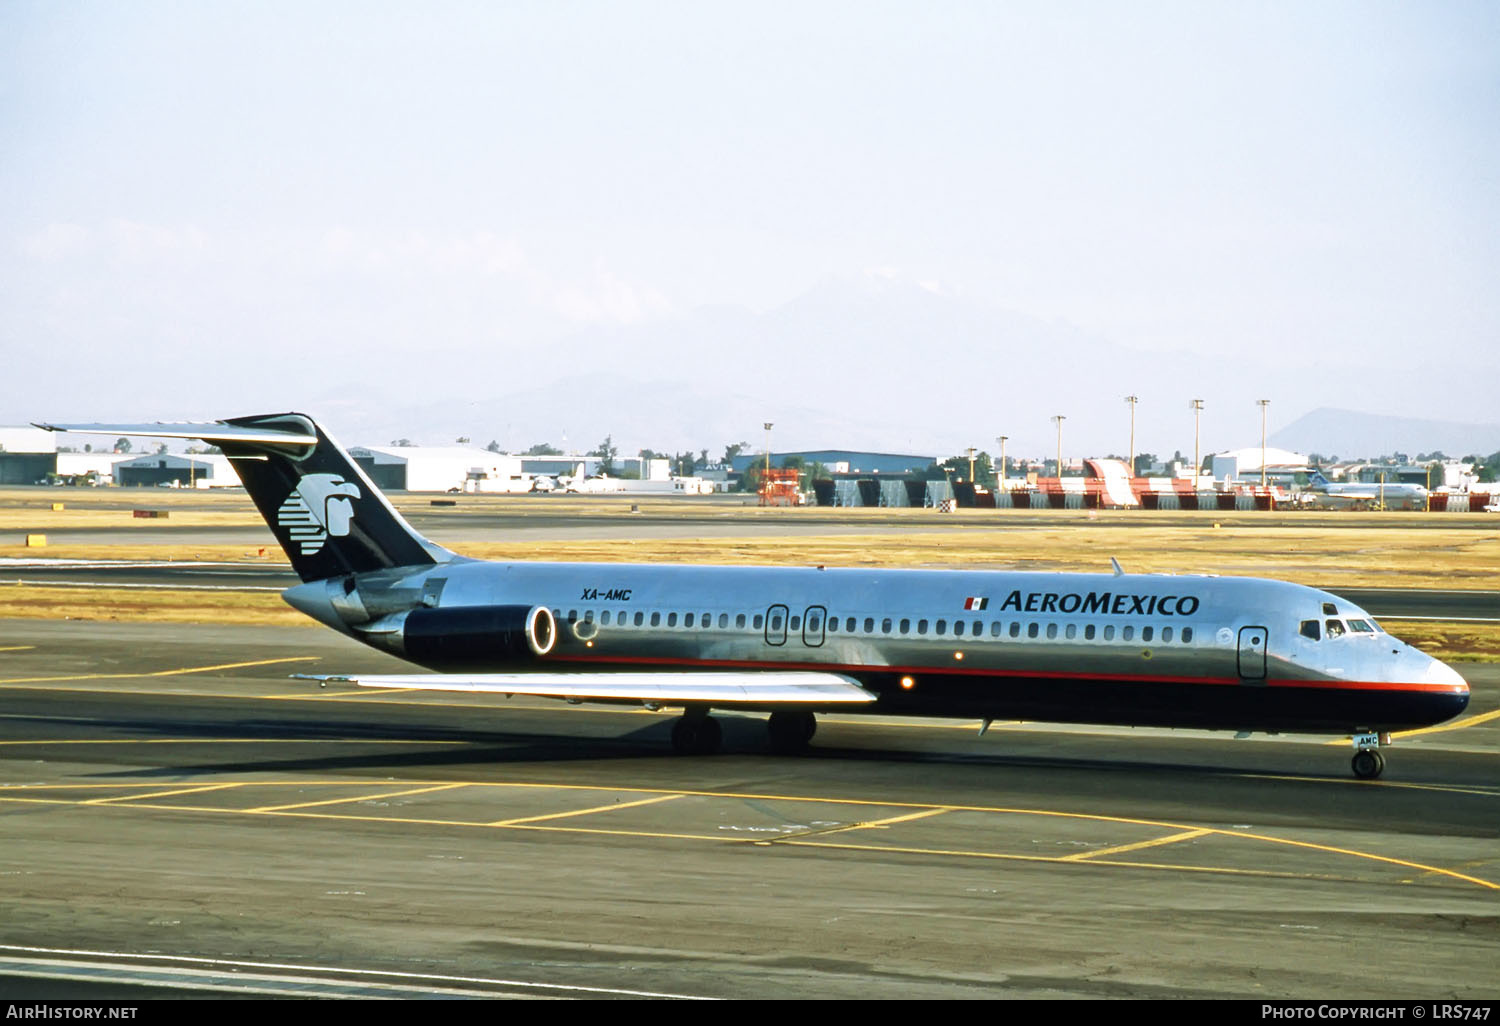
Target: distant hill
x: 1350, y: 434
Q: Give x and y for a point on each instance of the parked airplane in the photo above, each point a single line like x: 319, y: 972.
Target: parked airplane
x: 1366, y: 495
x: 1242, y: 654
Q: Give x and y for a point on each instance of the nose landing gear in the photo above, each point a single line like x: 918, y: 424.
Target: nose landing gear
x: 1368, y: 763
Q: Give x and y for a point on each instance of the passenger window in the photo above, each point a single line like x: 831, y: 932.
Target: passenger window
x: 905, y: 626
x: 850, y: 625
x: 1015, y: 629
x: 1127, y: 633
x: 1072, y: 631
x: 1051, y: 631
x: 572, y: 616
x: 978, y: 628
x: 1032, y: 630
x: 687, y: 621
x: 739, y: 621
x: 656, y: 619
x: 1166, y: 634
x: 1335, y: 628
x: 604, y: 618
x: 869, y: 625
x: 723, y: 621
x: 885, y: 626
x: 1309, y: 629
x: 1109, y: 632
x: 958, y: 628
x: 995, y: 629
x: 588, y: 616
x: 776, y: 624
x: 796, y: 623
x: 1088, y: 632
x: 1187, y: 635
x: 921, y: 626
x: 640, y: 618
x: 671, y: 619
x: 1146, y: 633
x: 757, y: 622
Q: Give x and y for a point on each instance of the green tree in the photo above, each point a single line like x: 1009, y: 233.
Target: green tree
x: 606, y: 452
x: 122, y: 445
x: 544, y: 449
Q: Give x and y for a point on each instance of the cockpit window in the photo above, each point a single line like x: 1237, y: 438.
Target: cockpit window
x: 1361, y: 627
x: 1335, y: 628
x: 1310, y: 629
x: 1329, y: 610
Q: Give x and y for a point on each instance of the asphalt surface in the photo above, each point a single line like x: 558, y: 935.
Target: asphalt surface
x: 177, y: 814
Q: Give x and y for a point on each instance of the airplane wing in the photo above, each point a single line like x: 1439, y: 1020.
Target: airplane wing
x: 739, y: 688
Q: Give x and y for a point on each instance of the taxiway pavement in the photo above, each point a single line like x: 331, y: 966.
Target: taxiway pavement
x: 177, y: 813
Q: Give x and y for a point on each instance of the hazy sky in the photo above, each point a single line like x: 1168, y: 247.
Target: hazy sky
x: 201, y: 198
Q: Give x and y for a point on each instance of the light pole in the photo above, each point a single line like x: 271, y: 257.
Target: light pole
x: 1058, y: 419
x: 1262, y: 403
x: 971, y: 451
x: 1002, y: 439
x: 1130, y: 457
x: 1197, y: 411
x: 764, y: 483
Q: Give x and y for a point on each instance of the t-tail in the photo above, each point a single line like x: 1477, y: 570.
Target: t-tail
x: 325, y: 512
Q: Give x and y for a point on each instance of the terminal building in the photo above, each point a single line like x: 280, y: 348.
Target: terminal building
x: 842, y: 461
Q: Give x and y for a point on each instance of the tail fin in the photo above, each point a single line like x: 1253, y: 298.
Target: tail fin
x: 324, y: 511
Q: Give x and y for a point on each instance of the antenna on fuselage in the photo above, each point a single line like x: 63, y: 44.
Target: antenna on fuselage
x: 1119, y: 571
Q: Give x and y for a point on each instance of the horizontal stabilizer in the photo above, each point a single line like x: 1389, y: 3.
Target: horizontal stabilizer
x: 753, y: 688
x: 214, y: 432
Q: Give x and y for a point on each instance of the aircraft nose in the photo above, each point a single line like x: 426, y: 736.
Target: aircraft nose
x: 1443, y: 675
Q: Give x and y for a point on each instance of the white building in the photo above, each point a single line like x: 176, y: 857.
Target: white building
x: 81, y: 464
x: 438, y: 468
x: 177, y: 470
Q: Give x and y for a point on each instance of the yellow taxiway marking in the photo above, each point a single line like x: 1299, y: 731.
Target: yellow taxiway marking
x: 1442, y: 728
x: 162, y: 794
x: 1487, y: 791
x: 16, y: 648
x: 9, y: 793
x: 1186, y: 835
x: 874, y: 824
x: 583, y: 812
x: 356, y: 798
x: 161, y: 673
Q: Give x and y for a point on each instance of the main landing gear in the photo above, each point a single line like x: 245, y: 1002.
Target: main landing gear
x: 698, y: 733
x: 1368, y: 763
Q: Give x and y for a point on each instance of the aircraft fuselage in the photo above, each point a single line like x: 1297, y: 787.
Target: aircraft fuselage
x: 1160, y: 650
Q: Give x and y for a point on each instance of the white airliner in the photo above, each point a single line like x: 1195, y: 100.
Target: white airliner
x: 1239, y: 654
x: 1366, y: 495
